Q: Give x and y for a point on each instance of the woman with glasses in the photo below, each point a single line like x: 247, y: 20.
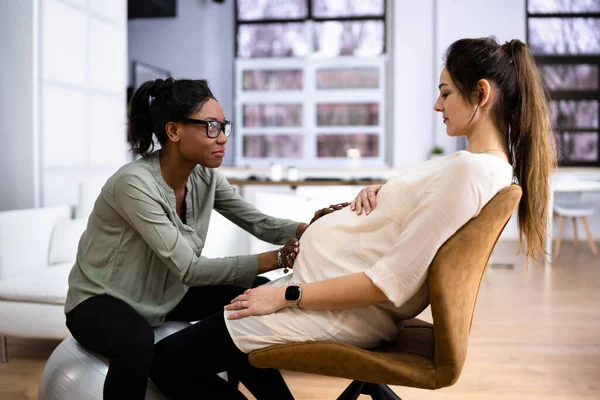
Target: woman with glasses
x: 139, y: 261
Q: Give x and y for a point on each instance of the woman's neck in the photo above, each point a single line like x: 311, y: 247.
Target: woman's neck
x: 174, y: 170
x: 486, y: 138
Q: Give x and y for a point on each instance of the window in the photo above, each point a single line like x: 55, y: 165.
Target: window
x: 310, y: 82
x: 564, y: 36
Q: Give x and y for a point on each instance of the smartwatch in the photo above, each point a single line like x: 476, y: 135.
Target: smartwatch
x: 293, y: 294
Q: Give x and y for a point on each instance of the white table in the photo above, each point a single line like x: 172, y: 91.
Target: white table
x: 561, y: 185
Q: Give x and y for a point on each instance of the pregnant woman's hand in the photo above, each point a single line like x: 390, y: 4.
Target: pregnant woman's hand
x: 328, y: 210
x: 262, y: 300
x: 366, y: 199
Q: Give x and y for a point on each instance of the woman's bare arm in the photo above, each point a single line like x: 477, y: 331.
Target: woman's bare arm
x: 350, y: 291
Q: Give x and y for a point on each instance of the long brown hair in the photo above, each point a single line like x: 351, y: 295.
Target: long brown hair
x: 522, y: 115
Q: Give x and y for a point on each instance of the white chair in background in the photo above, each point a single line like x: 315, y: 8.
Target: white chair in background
x: 569, y: 206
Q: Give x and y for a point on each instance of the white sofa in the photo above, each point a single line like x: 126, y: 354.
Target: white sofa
x: 37, y: 249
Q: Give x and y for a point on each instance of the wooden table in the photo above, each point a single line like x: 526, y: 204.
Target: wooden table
x: 242, y: 183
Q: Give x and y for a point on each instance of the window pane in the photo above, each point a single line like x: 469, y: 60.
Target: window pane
x: 564, y: 35
x: 276, y: 146
x: 579, y: 146
x: 347, y: 8
x: 272, y: 115
x: 348, y: 78
x: 555, y: 6
x: 272, y: 40
x: 338, y: 145
x: 272, y: 79
x: 570, y: 77
x: 348, y: 114
x: 359, y: 38
x: 574, y: 113
x: 252, y: 10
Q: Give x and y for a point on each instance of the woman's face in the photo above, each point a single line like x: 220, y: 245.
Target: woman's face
x: 456, y: 111
x: 194, y: 144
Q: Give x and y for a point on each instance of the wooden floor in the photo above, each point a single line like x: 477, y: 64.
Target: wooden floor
x: 536, y: 335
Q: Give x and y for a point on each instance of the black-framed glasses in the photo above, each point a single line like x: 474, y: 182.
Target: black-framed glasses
x: 213, y: 128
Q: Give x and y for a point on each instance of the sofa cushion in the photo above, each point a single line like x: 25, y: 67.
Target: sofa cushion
x: 43, y: 285
x: 65, y: 239
x: 25, y: 238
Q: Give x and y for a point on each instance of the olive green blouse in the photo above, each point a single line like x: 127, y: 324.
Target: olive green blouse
x: 137, y: 249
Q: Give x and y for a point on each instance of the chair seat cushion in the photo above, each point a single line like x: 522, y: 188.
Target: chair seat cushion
x: 43, y: 285
x: 406, y: 362
x: 574, y: 211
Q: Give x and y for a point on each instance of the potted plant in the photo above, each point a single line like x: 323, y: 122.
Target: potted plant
x: 436, y: 152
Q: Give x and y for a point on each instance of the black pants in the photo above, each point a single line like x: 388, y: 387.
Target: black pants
x: 113, y: 329
x: 187, y: 362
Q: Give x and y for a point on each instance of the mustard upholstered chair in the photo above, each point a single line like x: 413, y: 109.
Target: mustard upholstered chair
x: 423, y: 355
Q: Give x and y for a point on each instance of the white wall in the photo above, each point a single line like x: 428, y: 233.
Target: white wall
x: 412, y: 58
x: 18, y: 156
x: 423, y: 30
x: 456, y: 19
x: 197, y: 44
x: 62, y: 104
x: 83, y: 74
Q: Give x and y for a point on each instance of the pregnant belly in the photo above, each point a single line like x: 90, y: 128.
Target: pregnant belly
x: 330, y: 247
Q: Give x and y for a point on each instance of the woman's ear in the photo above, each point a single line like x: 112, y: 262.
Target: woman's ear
x: 172, y: 131
x: 484, y: 92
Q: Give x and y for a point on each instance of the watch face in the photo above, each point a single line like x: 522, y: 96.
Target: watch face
x: 292, y: 293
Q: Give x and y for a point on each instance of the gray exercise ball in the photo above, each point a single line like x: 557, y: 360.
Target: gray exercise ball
x: 74, y: 373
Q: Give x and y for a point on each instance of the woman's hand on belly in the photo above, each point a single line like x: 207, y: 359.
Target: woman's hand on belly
x: 365, y: 199
x: 262, y: 300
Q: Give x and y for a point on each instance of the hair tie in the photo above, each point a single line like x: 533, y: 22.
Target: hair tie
x: 160, y: 85
x: 508, y: 48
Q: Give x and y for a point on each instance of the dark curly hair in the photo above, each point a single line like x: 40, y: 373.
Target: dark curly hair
x: 158, y: 102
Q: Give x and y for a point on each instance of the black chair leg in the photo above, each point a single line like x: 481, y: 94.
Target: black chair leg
x: 375, y: 390
x: 383, y: 392
x: 352, y: 392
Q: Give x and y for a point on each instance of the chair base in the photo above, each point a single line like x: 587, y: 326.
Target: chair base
x: 375, y: 390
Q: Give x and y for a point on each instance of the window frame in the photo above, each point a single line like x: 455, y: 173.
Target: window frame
x: 310, y: 95
x: 569, y: 59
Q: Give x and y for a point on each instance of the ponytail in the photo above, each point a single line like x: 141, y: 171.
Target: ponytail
x: 140, y: 130
x: 533, y: 148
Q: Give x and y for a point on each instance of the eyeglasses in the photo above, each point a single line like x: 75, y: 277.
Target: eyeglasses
x: 213, y: 128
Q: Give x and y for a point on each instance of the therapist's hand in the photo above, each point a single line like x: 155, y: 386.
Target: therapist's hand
x: 289, y: 252
x: 262, y: 300
x: 328, y: 210
x: 365, y: 200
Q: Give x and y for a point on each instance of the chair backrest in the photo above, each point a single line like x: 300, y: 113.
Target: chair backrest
x: 454, y: 278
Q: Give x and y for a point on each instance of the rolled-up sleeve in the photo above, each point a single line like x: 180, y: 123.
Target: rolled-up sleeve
x: 446, y: 205
x: 233, y: 207
x: 132, y: 200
